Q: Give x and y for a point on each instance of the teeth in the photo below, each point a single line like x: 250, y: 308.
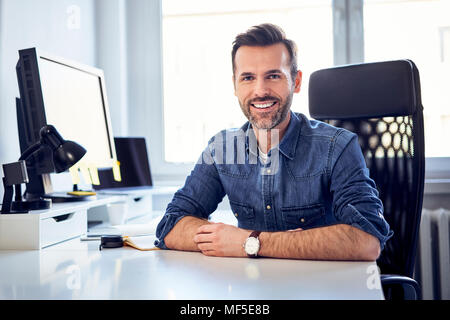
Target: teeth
x: 263, y: 105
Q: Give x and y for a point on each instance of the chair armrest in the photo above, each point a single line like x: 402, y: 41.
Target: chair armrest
x: 411, y: 289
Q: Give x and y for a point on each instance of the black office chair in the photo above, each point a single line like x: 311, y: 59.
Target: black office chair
x: 381, y: 102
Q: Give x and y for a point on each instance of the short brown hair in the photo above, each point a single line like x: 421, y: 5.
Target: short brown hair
x: 266, y: 34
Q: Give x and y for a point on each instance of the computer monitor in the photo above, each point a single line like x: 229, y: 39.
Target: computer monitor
x: 70, y: 96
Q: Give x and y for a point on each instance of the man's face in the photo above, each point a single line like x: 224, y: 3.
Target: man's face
x: 263, y: 84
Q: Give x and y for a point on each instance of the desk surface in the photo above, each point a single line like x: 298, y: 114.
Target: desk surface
x: 78, y: 270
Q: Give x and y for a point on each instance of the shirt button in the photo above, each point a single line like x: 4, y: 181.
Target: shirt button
x: 302, y: 220
x: 268, y: 207
x: 235, y: 214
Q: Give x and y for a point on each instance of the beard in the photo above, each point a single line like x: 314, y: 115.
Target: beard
x: 267, y: 120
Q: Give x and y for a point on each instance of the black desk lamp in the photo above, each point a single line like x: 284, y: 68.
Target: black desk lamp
x: 65, y: 154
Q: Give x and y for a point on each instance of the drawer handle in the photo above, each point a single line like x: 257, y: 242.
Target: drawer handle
x: 63, y: 217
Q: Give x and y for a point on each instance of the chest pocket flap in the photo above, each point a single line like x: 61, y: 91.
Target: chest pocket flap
x: 304, y: 217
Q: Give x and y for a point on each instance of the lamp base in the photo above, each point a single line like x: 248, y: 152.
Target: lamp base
x: 25, y: 206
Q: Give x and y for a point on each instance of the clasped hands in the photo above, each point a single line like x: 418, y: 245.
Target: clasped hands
x: 222, y: 240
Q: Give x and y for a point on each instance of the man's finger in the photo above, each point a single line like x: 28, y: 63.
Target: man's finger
x: 205, y: 246
x: 207, y: 228
x: 293, y: 230
x: 210, y: 253
x: 203, y: 237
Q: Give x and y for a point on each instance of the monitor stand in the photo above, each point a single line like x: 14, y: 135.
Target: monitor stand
x: 19, y: 205
x: 28, y: 205
x: 59, y: 197
x: 40, y: 187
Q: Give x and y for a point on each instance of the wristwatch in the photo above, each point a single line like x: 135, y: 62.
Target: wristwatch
x: 251, y: 245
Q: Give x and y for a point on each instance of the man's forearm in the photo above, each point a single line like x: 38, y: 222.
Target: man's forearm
x: 182, y: 234
x: 337, y: 242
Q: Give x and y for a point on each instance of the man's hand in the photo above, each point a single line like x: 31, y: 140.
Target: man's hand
x: 221, y: 240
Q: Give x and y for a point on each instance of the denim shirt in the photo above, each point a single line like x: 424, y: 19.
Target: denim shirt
x: 315, y: 177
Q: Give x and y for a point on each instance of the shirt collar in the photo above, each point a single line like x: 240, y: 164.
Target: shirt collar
x: 289, y: 141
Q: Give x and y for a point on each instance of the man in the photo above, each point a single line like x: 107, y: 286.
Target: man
x: 307, y: 195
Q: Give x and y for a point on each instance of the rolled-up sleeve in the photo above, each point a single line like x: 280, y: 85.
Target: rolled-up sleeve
x: 355, y: 197
x: 199, y: 197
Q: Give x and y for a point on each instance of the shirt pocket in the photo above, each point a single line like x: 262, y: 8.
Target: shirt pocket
x: 305, y: 217
x: 244, y: 214
x: 241, y: 171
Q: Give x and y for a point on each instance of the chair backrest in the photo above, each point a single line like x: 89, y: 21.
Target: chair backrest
x: 381, y: 103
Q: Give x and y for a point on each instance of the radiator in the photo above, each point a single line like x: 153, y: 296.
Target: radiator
x: 432, y: 269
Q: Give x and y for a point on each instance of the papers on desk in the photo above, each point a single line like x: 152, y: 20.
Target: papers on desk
x: 140, y: 243
x: 138, y: 236
x: 135, y: 229
x: 130, y: 230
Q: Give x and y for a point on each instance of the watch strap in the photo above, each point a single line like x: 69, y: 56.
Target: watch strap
x: 254, y: 234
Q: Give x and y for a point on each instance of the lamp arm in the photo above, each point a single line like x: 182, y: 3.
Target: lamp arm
x: 30, y: 150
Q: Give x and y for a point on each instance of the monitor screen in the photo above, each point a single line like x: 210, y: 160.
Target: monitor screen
x: 73, y: 100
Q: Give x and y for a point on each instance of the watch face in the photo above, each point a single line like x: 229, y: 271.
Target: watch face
x: 252, y: 246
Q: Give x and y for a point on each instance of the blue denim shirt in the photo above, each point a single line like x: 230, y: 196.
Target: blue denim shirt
x: 315, y: 177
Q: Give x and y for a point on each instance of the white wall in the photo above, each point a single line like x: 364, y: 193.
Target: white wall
x: 145, y: 90
x: 111, y: 56
x: 51, y: 25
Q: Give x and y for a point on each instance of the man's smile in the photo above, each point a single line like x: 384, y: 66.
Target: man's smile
x: 264, y: 104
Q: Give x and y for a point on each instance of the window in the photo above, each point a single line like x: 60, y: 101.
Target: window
x: 199, y: 97
x: 197, y: 37
x: 420, y: 31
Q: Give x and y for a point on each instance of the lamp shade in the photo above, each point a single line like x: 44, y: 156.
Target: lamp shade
x: 66, y: 153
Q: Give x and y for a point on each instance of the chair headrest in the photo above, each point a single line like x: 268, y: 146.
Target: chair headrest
x: 367, y: 90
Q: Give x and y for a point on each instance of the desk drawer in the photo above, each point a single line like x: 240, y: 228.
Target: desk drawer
x: 34, y: 230
x: 62, y: 227
x: 139, y: 206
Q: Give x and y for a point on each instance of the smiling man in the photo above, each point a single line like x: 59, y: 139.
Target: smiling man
x: 316, y: 202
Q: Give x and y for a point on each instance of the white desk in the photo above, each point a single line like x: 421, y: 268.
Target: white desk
x: 78, y: 270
